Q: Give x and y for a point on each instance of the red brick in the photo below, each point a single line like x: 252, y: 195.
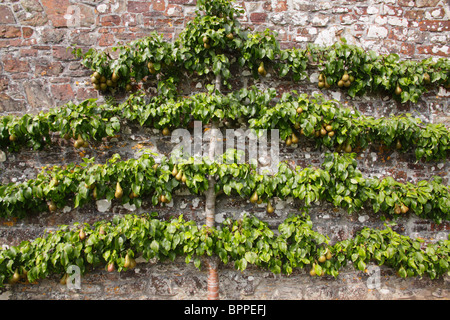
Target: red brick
x: 86, y: 93
x: 174, y: 11
x: 55, y: 10
x: 281, y: 6
x: 434, y: 25
x: 138, y: 7
x: 46, y: 68
x: 62, y: 93
x: 106, y: 40
x: 112, y: 20
x: 62, y: 53
x: 258, y: 17
x: 158, y: 5
x: 28, y: 52
x: 433, y: 50
x: 6, y: 15
x: 414, y: 15
x: 27, y: 32
x: 10, y: 32
x: 14, y: 65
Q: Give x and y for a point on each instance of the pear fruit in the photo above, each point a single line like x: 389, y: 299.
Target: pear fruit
x: 15, y: 277
x: 254, y: 198
x: 294, y: 139
x: 127, y: 263
x: 398, y: 145
x: 348, y: 148
x: 111, y: 267
x: 288, y: 141
x: 166, y: 131
x: 270, y: 208
x: 132, y: 263
x: 183, y: 178
x: 174, y: 171
x: 322, y: 258
x: 82, y: 235
x: 398, y: 90
x: 63, y: 280
x: 404, y: 209
x: 312, y: 272
x: 119, y: 191
x: 261, y: 69
x: 94, y: 193
x: 328, y: 255
x: 345, y: 77
x: 52, y: 206
x: 179, y: 175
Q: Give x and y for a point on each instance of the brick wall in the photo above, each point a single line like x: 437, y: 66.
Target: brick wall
x: 37, y: 73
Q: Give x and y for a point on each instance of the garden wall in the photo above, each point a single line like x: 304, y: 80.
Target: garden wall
x: 37, y: 72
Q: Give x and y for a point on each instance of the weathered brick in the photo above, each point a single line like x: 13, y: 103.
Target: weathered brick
x: 106, y: 40
x: 158, y: 5
x: 426, y: 3
x: 174, y: 11
x: 14, y: 65
x: 110, y: 20
x: 62, y: 92
x: 6, y: 15
x: 434, y: 25
x: 258, y: 17
x: 62, y: 53
x: 45, y: 68
x: 434, y: 50
x: 10, y: 32
x: 138, y: 6
x: 55, y: 10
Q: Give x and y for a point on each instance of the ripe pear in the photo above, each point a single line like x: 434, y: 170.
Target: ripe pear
x: 52, y: 206
x: 288, y: 141
x: 205, y: 39
x: 63, y: 280
x: 166, y: 131
x: 179, y: 175
x: 426, y: 78
x: 270, y: 208
x: 294, y: 139
x: 331, y: 134
x: 329, y: 255
x: 119, y: 191
x: 404, y: 209
x: 94, y: 193
x: 111, y: 267
x: 398, y: 145
x: 15, y: 277
x: 230, y: 36
x: 345, y: 77
x: 322, y: 258
x: 348, y: 148
x: 254, y: 198
x: 329, y: 127
x: 323, y: 132
x: 174, y: 171
x: 312, y: 272
x: 183, y: 178
x: 398, y: 90
x: 128, y: 87
x: 82, y: 235
x: 299, y: 110
x: 132, y: 263
x: 127, y: 261
x: 261, y: 69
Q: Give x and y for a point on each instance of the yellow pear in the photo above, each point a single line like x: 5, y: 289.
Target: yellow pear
x: 119, y: 192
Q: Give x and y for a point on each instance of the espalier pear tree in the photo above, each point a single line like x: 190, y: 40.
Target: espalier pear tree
x: 216, y: 48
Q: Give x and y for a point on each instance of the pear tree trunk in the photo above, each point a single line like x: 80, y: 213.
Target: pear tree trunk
x: 210, y: 210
